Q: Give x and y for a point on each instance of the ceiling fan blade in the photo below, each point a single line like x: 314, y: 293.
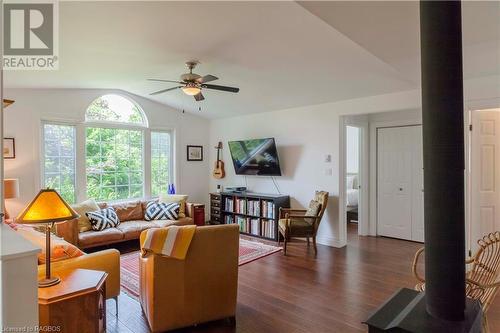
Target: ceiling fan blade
x: 164, y: 90
x: 170, y: 81
x: 222, y: 88
x: 207, y: 78
x: 199, y: 97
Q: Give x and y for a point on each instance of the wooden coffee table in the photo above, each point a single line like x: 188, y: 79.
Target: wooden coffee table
x: 76, y: 304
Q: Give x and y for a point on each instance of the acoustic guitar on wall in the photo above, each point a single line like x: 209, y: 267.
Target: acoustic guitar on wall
x: 219, y: 172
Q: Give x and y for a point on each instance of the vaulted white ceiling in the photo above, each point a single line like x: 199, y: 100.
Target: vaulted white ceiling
x: 281, y: 54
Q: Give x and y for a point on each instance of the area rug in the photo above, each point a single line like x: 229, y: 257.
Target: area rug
x: 129, y: 262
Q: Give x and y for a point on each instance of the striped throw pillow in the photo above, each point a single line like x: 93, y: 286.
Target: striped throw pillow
x: 103, y: 219
x: 162, y: 211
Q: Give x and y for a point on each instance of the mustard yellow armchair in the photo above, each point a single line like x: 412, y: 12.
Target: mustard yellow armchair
x: 202, y: 287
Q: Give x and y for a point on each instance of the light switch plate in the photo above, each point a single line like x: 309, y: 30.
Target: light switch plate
x: 328, y: 172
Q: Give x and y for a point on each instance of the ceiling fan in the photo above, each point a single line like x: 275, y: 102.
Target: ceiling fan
x: 192, y: 83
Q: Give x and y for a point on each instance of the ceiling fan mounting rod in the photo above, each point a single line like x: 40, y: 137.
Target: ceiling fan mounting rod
x: 191, y: 65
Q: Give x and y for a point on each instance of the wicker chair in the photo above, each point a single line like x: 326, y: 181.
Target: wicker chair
x: 300, y: 223
x: 483, y: 278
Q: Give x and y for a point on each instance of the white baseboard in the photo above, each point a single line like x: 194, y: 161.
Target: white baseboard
x: 330, y: 241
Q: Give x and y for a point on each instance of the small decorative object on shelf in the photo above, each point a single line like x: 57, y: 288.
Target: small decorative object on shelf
x: 171, y: 189
x: 219, y: 188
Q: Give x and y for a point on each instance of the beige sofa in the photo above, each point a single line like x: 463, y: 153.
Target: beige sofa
x: 126, y: 230
x: 203, y: 287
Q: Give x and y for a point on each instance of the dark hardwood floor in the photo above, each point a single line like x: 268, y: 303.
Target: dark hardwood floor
x: 333, y: 293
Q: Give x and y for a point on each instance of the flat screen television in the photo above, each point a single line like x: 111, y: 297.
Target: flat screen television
x: 257, y: 157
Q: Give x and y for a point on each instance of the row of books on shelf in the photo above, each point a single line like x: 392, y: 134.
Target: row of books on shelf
x: 257, y: 227
x: 253, y: 208
x: 268, y: 208
x: 237, y: 205
x: 250, y: 207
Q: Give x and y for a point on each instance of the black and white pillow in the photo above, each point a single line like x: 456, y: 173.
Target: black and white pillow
x: 103, y: 219
x: 162, y: 211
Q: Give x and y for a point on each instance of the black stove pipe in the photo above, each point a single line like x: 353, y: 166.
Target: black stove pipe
x: 443, y: 144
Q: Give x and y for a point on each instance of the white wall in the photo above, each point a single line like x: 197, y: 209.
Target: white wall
x: 305, y: 135
x: 23, y: 120
x: 352, y: 149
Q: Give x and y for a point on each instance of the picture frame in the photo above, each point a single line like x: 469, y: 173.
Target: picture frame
x: 9, y: 148
x: 194, y: 153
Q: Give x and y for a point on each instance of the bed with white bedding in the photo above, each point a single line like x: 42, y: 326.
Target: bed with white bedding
x: 352, y: 191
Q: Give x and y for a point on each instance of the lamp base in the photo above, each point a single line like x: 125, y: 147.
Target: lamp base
x: 44, y: 283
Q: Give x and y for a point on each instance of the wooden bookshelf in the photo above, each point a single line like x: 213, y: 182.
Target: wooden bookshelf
x: 257, y: 214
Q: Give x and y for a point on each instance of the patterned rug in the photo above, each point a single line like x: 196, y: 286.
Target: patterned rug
x: 129, y: 272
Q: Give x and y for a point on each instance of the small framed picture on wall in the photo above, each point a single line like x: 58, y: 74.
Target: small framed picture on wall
x: 195, y: 153
x: 9, y: 148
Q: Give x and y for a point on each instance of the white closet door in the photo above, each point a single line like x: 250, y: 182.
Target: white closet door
x: 399, y: 182
x: 485, y: 180
x: 417, y: 214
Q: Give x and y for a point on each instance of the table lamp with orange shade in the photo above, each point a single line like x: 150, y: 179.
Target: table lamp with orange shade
x: 48, y: 207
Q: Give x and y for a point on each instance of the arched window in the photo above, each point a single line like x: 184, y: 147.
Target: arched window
x: 115, y: 108
x: 114, y: 154
x: 114, y: 164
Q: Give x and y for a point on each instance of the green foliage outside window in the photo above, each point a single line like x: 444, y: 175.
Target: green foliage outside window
x: 160, y: 162
x: 114, y: 164
x: 59, y: 160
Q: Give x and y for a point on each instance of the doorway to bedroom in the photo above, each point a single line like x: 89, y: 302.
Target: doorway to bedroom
x: 352, y: 184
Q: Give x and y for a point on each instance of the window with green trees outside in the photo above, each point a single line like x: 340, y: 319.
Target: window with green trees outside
x: 113, y: 166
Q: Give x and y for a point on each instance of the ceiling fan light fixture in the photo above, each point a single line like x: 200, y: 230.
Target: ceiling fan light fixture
x: 191, y: 90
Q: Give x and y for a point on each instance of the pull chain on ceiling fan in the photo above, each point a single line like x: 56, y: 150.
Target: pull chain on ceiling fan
x: 192, y: 83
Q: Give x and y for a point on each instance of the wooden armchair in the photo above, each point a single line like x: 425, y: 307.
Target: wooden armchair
x: 303, y: 222
x: 483, y: 278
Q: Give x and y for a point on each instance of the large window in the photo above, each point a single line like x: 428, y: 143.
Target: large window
x: 121, y: 158
x: 114, y: 155
x: 160, y: 162
x: 59, y: 159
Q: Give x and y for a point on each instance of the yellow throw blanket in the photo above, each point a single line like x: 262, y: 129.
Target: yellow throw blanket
x: 171, y: 241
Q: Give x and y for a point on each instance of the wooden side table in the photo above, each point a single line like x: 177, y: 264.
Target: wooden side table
x: 76, y: 304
